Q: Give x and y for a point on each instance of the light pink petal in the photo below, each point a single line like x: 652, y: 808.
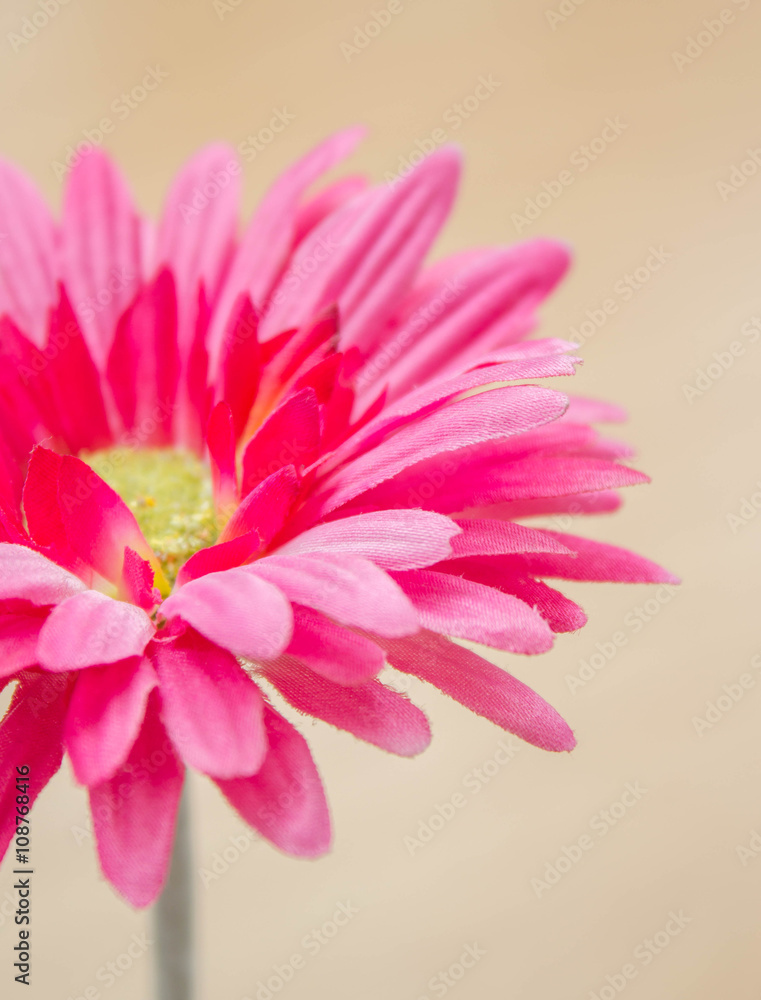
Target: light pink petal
x: 488, y: 302
x: 485, y: 417
x: 392, y: 539
x: 582, y: 410
x: 98, y: 523
x: 481, y: 687
x: 365, y: 256
x: 328, y: 200
x: 236, y: 609
x: 560, y: 613
x: 289, y: 436
x: 483, y: 537
x: 90, y: 629
x: 458, y: 607
x: 351, y: 590
x: 590, y: 560
x: 265, y: 244
x: 370, y: 711
x: 19, y: 632
x: 196, y: 233
x: 100, y: 248
x: 285, y: 800
x: 31, y: 735
x: 105, y: 715
x: 29, y: 576
x: 265, y: 508
x: 417, y: 403
x: 211, y: 708
x: 27, y: 254
x: 134, y: 814
x: 332, y: 651
x: 577, y: 504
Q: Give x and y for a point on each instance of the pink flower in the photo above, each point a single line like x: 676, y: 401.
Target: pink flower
x: 238, y: 466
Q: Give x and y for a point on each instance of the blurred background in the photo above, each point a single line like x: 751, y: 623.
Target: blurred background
x: 633, y: 864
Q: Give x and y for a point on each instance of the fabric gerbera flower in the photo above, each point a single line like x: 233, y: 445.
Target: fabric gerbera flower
x: 234, y: 467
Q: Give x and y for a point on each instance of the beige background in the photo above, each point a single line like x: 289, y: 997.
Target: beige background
x: 655, y: 186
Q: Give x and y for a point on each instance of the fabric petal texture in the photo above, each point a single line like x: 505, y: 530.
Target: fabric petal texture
x: 240, y: 473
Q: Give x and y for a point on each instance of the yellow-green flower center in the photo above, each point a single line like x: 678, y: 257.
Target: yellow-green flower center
x: 170, y: 494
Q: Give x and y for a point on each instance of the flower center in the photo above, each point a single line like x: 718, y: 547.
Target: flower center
x: 169, y: 492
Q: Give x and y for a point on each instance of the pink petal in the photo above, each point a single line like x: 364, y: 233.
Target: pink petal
x: 134, y: 814
x: 27, y: 254
x: 481, y: 687
x: 100, y: 248
x: 267, y: 240
x: 484, y: 417
x: 349, y: 589
x: 29, y: 576
x: 285, y: 800
x: 392, y: 539
x: 365, y: 256
x: 210, y: 707
x: 30, y: 734
x: 90, y: 629
x: 329, y: 200
x: 332, y: 651
x: 453, y: 606
x: 236, y: 609
x: 590, y: 560
x: 289, y: 436
x: 105, y: 715
x: 370, y: 711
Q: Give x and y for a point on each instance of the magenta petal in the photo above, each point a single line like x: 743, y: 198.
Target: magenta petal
x: 370, y: 711
x: 105, y: 715
x: 335, y: 652
x: 265, y: 508
x: 289, y: 436
x: 90, y: 629
x: 28, y: 575
x: 210, y: 707
x: 239, y: 611
x: 137, y: 578
x: 223, y: 555
x: 392, y: 539
x: 481, y: 687
x: 134, y: 814
x: 99, y: 525
x: 31, y: 734
x: 220, y: 439
x: 453, y: 606
x: 285, y: 800
x: 351, y: 590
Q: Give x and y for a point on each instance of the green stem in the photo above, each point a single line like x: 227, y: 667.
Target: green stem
x: 173, y: 918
